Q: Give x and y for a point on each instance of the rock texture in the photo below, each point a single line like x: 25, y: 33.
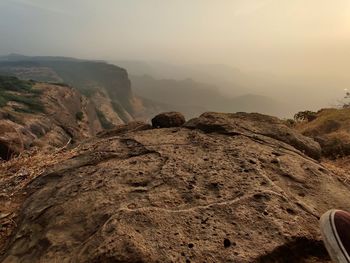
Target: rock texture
x: 255, y: 125
x: 54, y: 127
x: 223, y: 188
x: 168, y: 120
x: 121, y: 129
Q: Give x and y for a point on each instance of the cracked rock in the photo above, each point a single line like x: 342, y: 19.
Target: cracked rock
x: 132, y: 198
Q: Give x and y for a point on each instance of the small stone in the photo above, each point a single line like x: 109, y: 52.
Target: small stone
x: 276, y: 161
x: 227, y: 243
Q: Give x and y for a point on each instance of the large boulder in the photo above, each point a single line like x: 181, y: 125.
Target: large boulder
x: 168, y: 120
x: 218, y: 192
x: 258, y: 126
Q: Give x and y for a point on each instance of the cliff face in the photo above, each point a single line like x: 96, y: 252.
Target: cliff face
x: 92, y: 78
x: 45, y: 116
x: 221, y: 188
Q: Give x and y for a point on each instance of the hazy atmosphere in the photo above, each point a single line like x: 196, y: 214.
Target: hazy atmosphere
x: 175, y: 131
x: 294, y: 51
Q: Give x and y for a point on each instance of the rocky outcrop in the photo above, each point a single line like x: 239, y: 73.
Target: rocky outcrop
x: 258, y: 127
x: 168, y: 120
x: 224, y: 188
x: 108, y: 85
x: 66, y: 116
x: 63, y: 103
x: 104, y: 104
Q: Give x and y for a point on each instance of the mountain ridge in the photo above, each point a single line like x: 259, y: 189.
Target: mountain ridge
x: 89, y: 77
x: 200, y: 97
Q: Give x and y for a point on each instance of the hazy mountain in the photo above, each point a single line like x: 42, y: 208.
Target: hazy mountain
x: 223, y: 77
x: 203, y: 97
x: 19, y: 57
x: 206, y: 89
x: 296, y: 91
x: 190, y: 96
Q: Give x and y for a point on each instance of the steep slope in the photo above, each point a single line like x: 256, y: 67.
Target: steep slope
x: 222, y: 188
x: 43, y: 115
x: 94, y: 79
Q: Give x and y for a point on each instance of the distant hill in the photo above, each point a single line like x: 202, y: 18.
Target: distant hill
x: 296, y: 92
x: 207, y: 73
x: 120, y: 100
x: 193, y: 97
x: 19, y: 57
x: 107, y: 85
x: 223, y: 77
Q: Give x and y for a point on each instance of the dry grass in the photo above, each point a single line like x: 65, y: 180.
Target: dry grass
x: 340, y: 167
x: 31, y: 164
x: 331, y: 129
x: 340, y: 115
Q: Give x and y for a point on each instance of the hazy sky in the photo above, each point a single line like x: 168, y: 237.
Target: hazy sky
x: 291, y: 36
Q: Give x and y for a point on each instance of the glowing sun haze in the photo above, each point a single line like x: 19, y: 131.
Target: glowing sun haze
x: 266, y: 35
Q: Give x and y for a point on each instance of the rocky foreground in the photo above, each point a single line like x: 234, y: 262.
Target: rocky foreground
x: 220, y: 188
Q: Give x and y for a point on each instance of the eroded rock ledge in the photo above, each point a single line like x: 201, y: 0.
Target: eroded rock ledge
x: 222, y: 188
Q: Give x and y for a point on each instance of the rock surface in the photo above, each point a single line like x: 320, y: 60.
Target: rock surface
x: 50, y: 129
x: 255, y: 125
x: 223, y: 188
x: 121, y: 129
x: 168, y: 120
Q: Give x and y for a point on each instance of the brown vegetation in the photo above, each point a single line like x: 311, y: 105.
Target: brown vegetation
x: 330, y: 128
